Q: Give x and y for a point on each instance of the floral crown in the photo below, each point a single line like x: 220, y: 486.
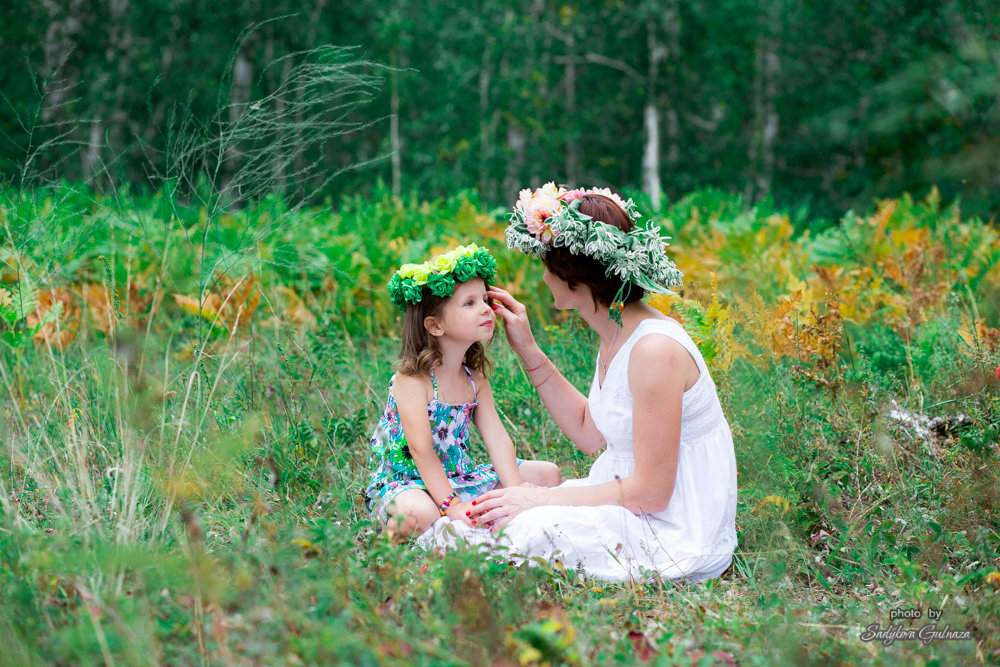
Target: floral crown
x: 550, y: 217
x: 440, y: 274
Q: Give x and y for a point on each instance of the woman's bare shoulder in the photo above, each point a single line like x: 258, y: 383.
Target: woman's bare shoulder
x: 652, y: 349
x: 652, y: 355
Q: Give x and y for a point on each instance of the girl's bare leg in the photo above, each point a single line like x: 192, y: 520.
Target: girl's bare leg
x: 410, y: 514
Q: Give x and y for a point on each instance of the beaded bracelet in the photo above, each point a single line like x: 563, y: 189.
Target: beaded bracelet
x: 446, y: 502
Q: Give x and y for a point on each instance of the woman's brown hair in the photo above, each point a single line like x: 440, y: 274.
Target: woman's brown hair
x: 421, y: 353
x: 583, y: 270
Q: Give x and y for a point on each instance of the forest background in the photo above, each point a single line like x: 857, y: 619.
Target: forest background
x: 828, y: 104
x: 200, y: 205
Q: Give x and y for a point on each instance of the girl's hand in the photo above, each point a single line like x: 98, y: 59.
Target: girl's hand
x: 460, y: 511
x: 515, y: 320
x: 499, y: 506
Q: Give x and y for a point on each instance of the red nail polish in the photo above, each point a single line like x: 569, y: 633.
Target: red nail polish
x: 468, y: 513
x: 473, y: 502
x: 473, y: 522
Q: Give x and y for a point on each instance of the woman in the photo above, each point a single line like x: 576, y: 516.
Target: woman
x: 661, y: 497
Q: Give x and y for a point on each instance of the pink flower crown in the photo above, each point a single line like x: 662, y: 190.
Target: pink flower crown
x: 550, y: 217
x: 537, y: 207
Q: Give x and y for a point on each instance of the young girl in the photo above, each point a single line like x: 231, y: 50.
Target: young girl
x: 420, y: 446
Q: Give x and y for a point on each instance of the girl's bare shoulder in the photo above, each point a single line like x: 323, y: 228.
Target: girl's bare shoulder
x: 482, y: 382
x: 407, y: 388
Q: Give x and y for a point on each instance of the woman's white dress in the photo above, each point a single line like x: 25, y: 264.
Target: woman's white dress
x: 692, y: 539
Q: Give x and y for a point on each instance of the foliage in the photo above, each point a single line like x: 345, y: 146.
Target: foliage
x: 826, y: 105
x: 185, y: 435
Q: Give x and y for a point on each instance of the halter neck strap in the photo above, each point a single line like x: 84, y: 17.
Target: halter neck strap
x: 468, y: 373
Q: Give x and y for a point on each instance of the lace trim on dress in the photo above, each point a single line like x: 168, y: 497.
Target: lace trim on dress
x: 475, y: 391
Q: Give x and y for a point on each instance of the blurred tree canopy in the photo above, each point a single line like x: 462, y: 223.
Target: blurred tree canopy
x: 825, y: 104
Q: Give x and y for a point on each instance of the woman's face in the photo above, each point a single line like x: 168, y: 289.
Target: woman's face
x: 562, y: 295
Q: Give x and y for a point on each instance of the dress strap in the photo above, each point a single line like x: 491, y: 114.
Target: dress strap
x: 435, y: 385
x: 475, y: 392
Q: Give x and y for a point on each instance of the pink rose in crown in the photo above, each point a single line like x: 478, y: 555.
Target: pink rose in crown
x: 572, y: 195
x: 538, y: 227
x: 538, y: 207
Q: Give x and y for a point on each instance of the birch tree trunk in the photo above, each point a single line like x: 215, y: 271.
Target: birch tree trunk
x: 767, y: 69
x: 120, y: 36
x: 651, y: 117
x: 516, y: 143
x: 112, y: 109
x: 91, y: 157
x: 394, y: 141
x: 672, y: 23
x: 300, y: 94
x: 238, y: 98
x: 572, y: 144
x: 59, y: 82
x: 485, y: 131
x: 280, y: 163
x: 60, y: 40
x: 539, y: 18
x: 651, y: 155
x: 517, y: 139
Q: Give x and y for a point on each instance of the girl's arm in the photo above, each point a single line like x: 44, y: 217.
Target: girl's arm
x: 498, y: 442
x: 656, y: 429
x: 567, y: 405
x: 411, y: 399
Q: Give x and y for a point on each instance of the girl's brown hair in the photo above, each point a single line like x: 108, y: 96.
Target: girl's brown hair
x: 583, y: 270
x: 421, y: 352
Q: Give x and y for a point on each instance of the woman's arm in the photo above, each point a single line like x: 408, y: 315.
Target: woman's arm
x: 567, y: 405
x: 411, y: 399
x: 659, y: 369
x: 495, y: 437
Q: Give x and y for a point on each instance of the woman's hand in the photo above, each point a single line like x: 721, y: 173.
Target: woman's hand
x: 499, y: 506
x: 460, y: 511
x: 515, y: 321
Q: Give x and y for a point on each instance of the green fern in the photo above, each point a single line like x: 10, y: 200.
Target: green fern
x: 23, y: 299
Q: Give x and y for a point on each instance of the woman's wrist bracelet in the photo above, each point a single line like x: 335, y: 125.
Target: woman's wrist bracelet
x: 551, y: 373
x: 443, y: 507
x: 532, y: 370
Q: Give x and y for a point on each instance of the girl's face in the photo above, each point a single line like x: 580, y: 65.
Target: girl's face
x: 468, y: 315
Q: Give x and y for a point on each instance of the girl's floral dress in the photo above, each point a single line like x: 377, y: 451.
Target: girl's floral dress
x: 395, y: 470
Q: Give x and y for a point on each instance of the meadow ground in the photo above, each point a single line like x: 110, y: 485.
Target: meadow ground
x: 187, y: 397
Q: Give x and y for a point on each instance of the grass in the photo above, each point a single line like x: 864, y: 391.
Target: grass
x: 181, y: 478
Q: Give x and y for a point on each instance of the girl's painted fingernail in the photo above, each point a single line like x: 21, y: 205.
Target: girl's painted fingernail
x: 473, y: 502
x: 468, y: 513
x: 494, y: 306
x: 473, y: 522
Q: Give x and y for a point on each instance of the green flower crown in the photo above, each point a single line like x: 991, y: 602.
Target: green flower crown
x: 440, y: 274
x: 549, y: 217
